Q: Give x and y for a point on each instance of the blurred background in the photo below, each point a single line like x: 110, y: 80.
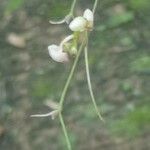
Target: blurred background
x: 119, y: 52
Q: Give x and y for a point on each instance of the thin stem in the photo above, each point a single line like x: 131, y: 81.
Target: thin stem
x: 70, y: 76
x: 73, y: 6
x: 89, y: 81
x: 95, y: 5
x: 64, y: 94
x: 65, y: 131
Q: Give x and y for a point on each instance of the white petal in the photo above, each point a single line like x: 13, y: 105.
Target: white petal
x: 88, y: 14
x: 78, y: 24
x: 57, y: 53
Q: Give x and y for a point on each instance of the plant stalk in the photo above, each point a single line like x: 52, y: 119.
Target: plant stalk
x: 89, y: 80
x: 65, y: 131
x: 64, y: 94
x: 70, y: 76
x: 95, y: 5
x: 72, y: 7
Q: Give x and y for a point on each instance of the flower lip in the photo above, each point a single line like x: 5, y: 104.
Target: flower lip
x: 57, y: 54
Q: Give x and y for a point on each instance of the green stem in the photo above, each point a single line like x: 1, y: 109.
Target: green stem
x: 89, y: 81
x: 65, y: 131
x: 73, y: 6
x: 95, y: 5
x: 70, y: 76
x: 64, y: 94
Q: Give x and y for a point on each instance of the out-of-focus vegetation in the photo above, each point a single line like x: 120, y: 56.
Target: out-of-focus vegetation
x: 120, y: 71
x: 13, y: 5
x: 139, y: 5
x: 133, y: 123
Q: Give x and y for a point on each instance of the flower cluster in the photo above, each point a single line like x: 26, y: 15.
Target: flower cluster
x: 62, y: 52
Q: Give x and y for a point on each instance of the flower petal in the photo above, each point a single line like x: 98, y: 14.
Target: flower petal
x: 78, y: 24
x: 88, y: 14
x: 57, y: 54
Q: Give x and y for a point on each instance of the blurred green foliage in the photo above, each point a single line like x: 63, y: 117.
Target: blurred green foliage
x: 140, y: 5
x: 118, y: 19
x: 41, y: 88
x: 73, y: 139
x: 126, y: 86
x: 141, y: 64
x: 13, y: 5
x: 56, y: 12
x: 133, y: 123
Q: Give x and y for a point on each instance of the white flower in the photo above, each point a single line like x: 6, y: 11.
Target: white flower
x: 84, y: 22
x: 57, y: 53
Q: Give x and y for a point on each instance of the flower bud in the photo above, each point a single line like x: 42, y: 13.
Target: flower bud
x: 57, y: 54
x: 78, y: 24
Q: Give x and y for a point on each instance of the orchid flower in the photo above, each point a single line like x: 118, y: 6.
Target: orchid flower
x: 82, y: 23
x: 57, y: 51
